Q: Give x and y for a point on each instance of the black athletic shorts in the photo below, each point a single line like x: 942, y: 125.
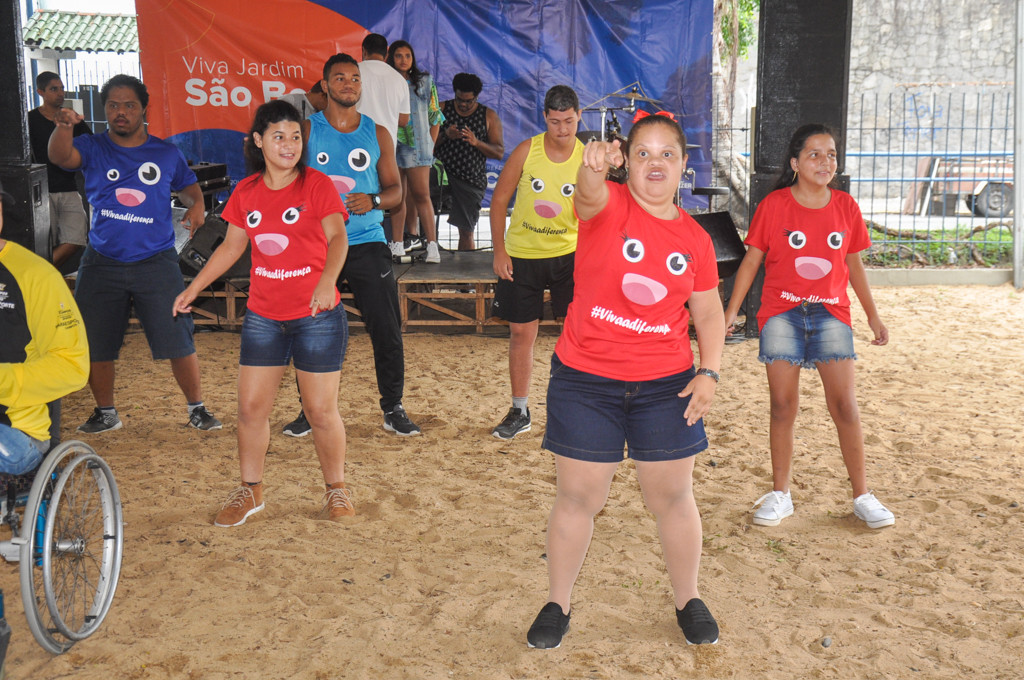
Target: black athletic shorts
x: 522, y: 299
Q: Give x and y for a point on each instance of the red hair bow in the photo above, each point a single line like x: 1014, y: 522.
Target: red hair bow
x: 641, y: 114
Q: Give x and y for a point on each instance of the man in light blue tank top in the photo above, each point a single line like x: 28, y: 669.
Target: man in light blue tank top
x: 359, y: 157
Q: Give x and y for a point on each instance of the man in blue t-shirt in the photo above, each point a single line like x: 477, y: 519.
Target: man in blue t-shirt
x: 359, y: 157
x: 130, y: 259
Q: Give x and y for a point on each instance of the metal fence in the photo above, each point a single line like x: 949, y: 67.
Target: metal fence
x: 932, y: 173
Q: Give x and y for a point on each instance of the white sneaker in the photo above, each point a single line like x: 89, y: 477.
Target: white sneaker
x: 775, y: 507
x: 433, y: 254
x: 866, y: 507
x: 397, y: 249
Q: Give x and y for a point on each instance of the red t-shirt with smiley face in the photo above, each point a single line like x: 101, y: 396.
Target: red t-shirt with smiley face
x: 805, y: 252
x: 634, y: 273
x: 289, y: 248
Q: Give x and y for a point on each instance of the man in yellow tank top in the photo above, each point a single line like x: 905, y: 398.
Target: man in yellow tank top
x: 537, y: 251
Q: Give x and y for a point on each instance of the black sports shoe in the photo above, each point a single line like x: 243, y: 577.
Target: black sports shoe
x: 299, y: 427
x: 515, y: 422
x: 201, y: 419
x: 548, y: 628
x: 100, y: 422
x: 396, y: 420
x: 699, y: 626
x: 413, y: 243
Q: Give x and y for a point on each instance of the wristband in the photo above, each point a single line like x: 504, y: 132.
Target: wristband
x: 709, y: 373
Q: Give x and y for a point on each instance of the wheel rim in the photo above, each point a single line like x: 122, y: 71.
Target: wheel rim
x: 81, y: 547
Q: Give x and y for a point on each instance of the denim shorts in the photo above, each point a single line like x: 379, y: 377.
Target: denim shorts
x: 19, y: 453
x: 805, y: 336
x: 411, y: 157
x: 107, y: 289
x: 592, y: 418
x: 315, y: 344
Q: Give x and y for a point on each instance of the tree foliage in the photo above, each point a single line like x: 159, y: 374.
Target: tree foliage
x: 739, y: 17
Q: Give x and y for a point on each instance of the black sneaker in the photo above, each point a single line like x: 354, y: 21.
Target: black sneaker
x: 548, y: 628
x: 699, y: 626
x: 397, y: 421
x: 100, y: 422
x: 299, y: 427
x: 515, y: 423
x: 201, y: 419
x: 413, y: 243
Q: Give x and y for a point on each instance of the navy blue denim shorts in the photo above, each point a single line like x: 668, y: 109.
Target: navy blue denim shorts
x: 594, y: 419
x: 106, y: 290
x: 805, y: 336
x: 315, y: 344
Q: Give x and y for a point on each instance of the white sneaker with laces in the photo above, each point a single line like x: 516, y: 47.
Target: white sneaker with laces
x: 868, y: 508
x: 397, y: 249
x: 775, y: 507
x: 433, y: 254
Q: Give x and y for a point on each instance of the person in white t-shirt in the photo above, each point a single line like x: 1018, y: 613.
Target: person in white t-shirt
x: 385, y: 96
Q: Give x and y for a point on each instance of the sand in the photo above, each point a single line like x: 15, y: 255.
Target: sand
x: 442, y: 571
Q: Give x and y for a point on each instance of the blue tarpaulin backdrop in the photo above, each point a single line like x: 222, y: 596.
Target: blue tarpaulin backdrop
x: 520, y: 48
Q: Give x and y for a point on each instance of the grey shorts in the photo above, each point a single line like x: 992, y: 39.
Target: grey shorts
x: 466, y: 200
x: 68, y: 221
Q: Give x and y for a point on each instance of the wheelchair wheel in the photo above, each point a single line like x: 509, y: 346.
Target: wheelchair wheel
x: 71, y: 549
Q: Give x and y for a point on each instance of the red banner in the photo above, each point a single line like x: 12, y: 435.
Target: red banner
x: 208, y: 65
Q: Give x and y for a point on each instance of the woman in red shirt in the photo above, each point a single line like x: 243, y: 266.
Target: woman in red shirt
x: 623, y: 374
x: 295, y: 220
x: 810, y: 235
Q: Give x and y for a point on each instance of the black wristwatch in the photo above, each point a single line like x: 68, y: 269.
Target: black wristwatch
x: 709, y: 373
x: 375, y: 199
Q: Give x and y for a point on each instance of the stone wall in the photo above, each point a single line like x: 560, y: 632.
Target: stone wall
x: 924, y: 75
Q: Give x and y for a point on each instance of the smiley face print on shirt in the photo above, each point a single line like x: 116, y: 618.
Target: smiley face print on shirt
x: 147, y: 174
x: 272, y: 243
x: 808, y: 264
x: 650, y: 271
x: 359, y: 161
x: 549, y: 197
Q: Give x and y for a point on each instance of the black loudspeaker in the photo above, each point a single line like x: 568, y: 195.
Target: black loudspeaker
x: 27, y: 221
x: 802, y: 73
x: 14, y: 148
x: 729, y: 250
x: 206, y: 239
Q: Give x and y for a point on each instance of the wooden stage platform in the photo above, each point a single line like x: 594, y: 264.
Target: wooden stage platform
x: 455, y: 293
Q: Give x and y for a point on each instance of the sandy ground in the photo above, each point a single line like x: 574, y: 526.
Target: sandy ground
x: 442, y: 571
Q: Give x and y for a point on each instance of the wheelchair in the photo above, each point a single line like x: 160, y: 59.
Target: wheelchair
x: 68, y: 542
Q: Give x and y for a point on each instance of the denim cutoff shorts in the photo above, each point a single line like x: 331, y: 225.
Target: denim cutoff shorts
x: 315, y: 344
x: 805, y: 336
x: 592, y: 418
x: 413, y: 157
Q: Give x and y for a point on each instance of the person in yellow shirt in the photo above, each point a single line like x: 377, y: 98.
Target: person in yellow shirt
x: 538, y: 251
x: 44, y: 354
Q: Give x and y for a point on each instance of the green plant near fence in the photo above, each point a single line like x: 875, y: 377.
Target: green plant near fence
x: 989, y: 245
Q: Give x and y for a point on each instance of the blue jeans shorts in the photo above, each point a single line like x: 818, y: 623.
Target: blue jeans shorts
x: 805, y: 336
x: 593, y: 419
x: 19, y: 453
x: 315, y: 344
x: 106, y: 291
x: 413, y: 157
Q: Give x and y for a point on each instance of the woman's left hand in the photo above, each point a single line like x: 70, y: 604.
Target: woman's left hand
x: 880, y: 331
x: 701, y: 391
x: 323, y: 298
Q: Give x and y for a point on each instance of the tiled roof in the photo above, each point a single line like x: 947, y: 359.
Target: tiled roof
x: 82, y: 32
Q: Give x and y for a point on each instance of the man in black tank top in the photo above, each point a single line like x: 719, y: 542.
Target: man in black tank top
x: 471, y: 134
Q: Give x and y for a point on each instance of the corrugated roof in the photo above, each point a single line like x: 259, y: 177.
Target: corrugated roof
x: 82, y: 32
